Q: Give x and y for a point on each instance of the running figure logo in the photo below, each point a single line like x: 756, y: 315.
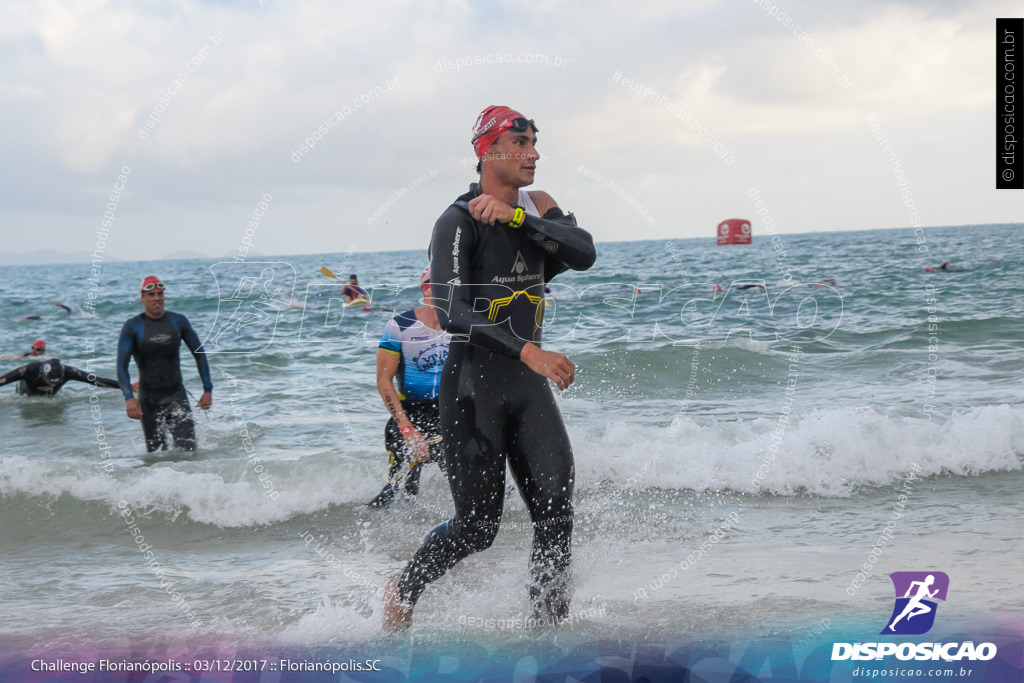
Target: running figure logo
x: 914, y: 612
x: 251, y: 297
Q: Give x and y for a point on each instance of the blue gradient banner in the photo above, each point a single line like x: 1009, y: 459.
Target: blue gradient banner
x: 608, y: 660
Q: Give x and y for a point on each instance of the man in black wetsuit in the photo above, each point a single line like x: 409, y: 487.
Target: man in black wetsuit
x: 153, y: 339
x: 46, y: 377
x: 492, y: 252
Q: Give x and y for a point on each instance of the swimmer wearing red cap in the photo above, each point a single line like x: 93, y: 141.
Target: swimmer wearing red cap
x: 500, y: 245
x: 153, y: 339
x: 38, y: 349
x: 410, y: 358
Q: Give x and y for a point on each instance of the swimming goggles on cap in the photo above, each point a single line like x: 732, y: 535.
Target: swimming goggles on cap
x: 517, y: 125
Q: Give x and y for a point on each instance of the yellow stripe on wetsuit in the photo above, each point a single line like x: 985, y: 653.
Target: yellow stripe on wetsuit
x: 498, y: 304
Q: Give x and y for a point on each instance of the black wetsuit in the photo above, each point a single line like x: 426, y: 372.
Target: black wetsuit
x: 488, y: 289
x: 154, y: 343
x: 32, y: 378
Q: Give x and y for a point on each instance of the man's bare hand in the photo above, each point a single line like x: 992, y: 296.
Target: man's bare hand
x: 555, y: 366
x: 490, y: 210
x: 416, y: 446
x: 205, y: 401
x: 134, y: 410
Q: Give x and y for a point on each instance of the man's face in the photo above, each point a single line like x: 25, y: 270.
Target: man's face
x: 36, y: 351
x: 513, y: 158
x: 153, y: 301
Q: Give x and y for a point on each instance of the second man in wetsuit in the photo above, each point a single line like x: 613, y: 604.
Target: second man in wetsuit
x: 153, y: 339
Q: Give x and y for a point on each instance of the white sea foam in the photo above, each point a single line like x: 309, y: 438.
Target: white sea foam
x: 229, y: 497
x: 827, y: 452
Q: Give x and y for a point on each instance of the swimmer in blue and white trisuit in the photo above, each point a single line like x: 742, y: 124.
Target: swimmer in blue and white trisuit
x: 411, y: 354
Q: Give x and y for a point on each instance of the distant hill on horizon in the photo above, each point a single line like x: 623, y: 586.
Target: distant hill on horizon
x: 43, y: 257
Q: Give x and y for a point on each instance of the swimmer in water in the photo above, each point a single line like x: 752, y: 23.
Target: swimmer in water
x: 38, y: 349
x: 46, y: 377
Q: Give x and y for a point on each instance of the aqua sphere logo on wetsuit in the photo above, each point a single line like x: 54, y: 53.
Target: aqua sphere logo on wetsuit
x: 914, y: 614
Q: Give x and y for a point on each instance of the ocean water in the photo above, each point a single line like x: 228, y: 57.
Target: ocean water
x: 741, y: 455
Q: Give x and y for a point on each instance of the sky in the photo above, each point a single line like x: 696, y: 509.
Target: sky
x: 157, y: 128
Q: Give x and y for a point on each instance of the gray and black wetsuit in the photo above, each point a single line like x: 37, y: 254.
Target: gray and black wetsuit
x: 488, y: 287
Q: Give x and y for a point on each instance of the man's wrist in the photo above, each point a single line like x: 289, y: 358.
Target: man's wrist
x: 518, y: 215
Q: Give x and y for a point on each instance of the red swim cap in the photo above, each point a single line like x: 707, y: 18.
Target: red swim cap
x: 151, y: 282
x: 425, y: 276
x: 491, y: 123
x: 39, y: 344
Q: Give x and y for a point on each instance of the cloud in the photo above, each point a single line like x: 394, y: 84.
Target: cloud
x: 79, y: 79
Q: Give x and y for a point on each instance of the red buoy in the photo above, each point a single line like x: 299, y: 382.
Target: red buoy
x: 734, y: 231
